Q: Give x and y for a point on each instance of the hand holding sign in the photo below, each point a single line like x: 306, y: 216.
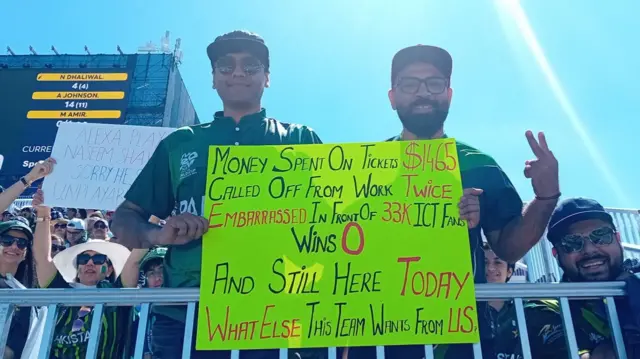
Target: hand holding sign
x: 182, y: 229
x: 469, y: 206
x: 40, y: 170
x: 543, y: 171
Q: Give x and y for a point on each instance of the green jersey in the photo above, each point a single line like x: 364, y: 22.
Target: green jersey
x: 71, y: 334
x: 176, y: 174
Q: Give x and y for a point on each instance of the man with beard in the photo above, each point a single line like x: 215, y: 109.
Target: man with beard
x: 421, y: 94
x: 177, y: 174
x: 587, y: 247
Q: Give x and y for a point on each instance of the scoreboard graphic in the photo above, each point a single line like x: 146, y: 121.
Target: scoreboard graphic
x: 33, y: 102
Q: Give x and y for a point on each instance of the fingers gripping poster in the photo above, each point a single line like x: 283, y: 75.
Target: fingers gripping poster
x: 335, y: 245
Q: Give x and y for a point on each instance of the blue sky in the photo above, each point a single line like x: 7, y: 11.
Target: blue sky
x: 564, y: 67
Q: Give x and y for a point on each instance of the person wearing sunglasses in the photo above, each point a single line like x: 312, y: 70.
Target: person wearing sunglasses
x: 57, y: 245
x: 587, y: 247
x: 177, y: 173
x: 76, y: 232
x: 16, y: 272
x: 92, y: 264
x: 100, y: 229
x: 59, y: 224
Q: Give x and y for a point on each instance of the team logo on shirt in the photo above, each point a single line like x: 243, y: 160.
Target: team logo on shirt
x: 186, y: 161
x: 550, y: 333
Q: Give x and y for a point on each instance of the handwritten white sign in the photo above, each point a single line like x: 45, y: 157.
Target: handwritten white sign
x: 97, y: 163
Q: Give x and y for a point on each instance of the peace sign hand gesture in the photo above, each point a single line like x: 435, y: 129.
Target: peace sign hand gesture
x: 543, y: 171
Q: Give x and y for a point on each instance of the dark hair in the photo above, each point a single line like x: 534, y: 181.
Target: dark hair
x: 152, y: 263
x: 26, y: 273
x: 83, y: 213
x: 487, y: 247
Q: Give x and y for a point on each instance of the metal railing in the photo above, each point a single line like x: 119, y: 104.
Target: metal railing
x: 52, y: 298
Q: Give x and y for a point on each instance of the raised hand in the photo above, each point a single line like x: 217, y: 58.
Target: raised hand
x: 41, y: 169
x: 543, y: 170
x: 182, y: 229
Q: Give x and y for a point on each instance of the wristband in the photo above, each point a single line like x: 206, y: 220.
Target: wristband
x: 24, y: 182
x: 549, y: 198
x: 42, y: 219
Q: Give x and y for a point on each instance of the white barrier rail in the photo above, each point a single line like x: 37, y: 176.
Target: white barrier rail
x: 98, y: 298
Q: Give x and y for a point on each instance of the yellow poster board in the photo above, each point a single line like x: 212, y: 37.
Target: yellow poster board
x: 335, y: 245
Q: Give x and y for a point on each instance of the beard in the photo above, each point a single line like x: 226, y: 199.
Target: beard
x: 610, y: 270
x: 424, y: 125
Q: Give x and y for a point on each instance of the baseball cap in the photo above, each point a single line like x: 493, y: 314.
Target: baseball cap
x: 434, y: 55
x: 77, y: 224
x: 239, y: 41
x: 156, y: 253
x: 18, y: 226
x: 574, y: 210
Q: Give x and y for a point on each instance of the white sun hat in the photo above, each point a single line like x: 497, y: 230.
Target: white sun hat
x: 65, y: 261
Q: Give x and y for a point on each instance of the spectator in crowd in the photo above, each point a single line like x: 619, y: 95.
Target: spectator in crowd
x: 57, y: 245
x: 7, y: 215
x: 16, y: 271
x: 151, y: 268
x: 421, y: 94
x: 40, y: 170
x: 72, y: 213
x: 59, y: 224
x: 240, y: 63
x: 100, y: 229
x: 76, y: 232
x: 96, y: 264
x: 82, y: 213
x: 588, y: 249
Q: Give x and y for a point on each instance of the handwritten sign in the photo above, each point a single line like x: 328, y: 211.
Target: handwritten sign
x: 335, y: 245
x: 97, y: 163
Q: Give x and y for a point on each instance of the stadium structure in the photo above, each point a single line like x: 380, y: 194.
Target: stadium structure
x: 38, y: 91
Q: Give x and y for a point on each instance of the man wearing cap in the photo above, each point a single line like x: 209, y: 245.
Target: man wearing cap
x: 176, y: 175
x: 76, y: 232
x: 421, y: 94
x: 587, y: 246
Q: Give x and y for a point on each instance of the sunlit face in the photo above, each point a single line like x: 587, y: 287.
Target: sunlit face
x: 100, y: 230
x: 93, y: 267
x: 13, y: 247
x: 59, y: 229
x: 590, y: 252
x: 57, y: 245
x: 421, y: 95
x: 154, y: 276
x: 240, y: 80
x: 73, y: 236
x: 496, y: 269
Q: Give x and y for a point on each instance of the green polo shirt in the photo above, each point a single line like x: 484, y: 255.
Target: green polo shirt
x: 176, y: 174
x: 499, y: 202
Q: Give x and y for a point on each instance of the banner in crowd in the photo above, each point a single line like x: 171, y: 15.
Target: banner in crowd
x: 97, y: 163
x: 335, y: 245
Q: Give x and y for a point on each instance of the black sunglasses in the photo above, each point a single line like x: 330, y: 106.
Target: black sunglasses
x: 99, y: 226
x: 411, y: 85
x: 60, y: 225
x: 57, y: 248
x: 227, y: 64
x: 7, y: 241
x: 575, y: 242
x: 97, y: 259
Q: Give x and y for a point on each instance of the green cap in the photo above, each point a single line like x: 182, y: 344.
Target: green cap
x: 16, y: 225
x: 156, y: 253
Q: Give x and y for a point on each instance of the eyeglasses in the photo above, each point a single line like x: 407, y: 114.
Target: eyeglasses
x: 599, y: 237
x: 250, y: 65
x: 97, y: 259
x: 7, y: 241
x: 60, y: 226
x: 78, y: 324
x: 57, y: 248
x: 411, y: 85
x: 99, y: 226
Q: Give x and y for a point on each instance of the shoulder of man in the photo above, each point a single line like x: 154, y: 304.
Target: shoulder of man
x: 295, y: 133
x: 471, y: 157
x: 185, y: 134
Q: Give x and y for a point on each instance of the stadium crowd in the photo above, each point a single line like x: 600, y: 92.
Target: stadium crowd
x: 153, y: 240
